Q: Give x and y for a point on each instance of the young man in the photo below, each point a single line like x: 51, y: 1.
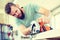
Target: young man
x: 25, y: 15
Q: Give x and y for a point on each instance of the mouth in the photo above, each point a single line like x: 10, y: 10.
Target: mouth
x: 19, y: 15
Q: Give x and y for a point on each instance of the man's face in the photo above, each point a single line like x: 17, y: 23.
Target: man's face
x: 15, y: 11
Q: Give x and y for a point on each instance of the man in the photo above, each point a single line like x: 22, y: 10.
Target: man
x: 25, y: 15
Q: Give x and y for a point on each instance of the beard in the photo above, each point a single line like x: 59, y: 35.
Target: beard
x: 22, y: 15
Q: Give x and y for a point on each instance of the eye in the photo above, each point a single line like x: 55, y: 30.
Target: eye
x: 16, y: 11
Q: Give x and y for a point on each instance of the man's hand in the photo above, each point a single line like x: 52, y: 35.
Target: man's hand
x: 44, y: 19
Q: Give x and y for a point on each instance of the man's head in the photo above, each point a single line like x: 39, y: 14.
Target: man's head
x: 14, y: 10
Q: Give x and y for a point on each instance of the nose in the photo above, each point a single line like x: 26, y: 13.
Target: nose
x: 16, y: 13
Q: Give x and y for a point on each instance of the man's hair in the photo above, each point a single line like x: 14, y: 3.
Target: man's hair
x: 8, y: 7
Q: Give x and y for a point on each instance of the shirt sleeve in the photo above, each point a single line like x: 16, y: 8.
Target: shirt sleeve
x: 36, y: 7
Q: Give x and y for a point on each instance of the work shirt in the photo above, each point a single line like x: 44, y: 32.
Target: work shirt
x: 31, y: 13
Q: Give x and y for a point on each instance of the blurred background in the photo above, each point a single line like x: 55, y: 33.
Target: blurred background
x: 52, y: 5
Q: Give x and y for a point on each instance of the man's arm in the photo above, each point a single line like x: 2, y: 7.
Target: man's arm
x: 24, y: 30
x: 44, y: 11
x: 46, y: 14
